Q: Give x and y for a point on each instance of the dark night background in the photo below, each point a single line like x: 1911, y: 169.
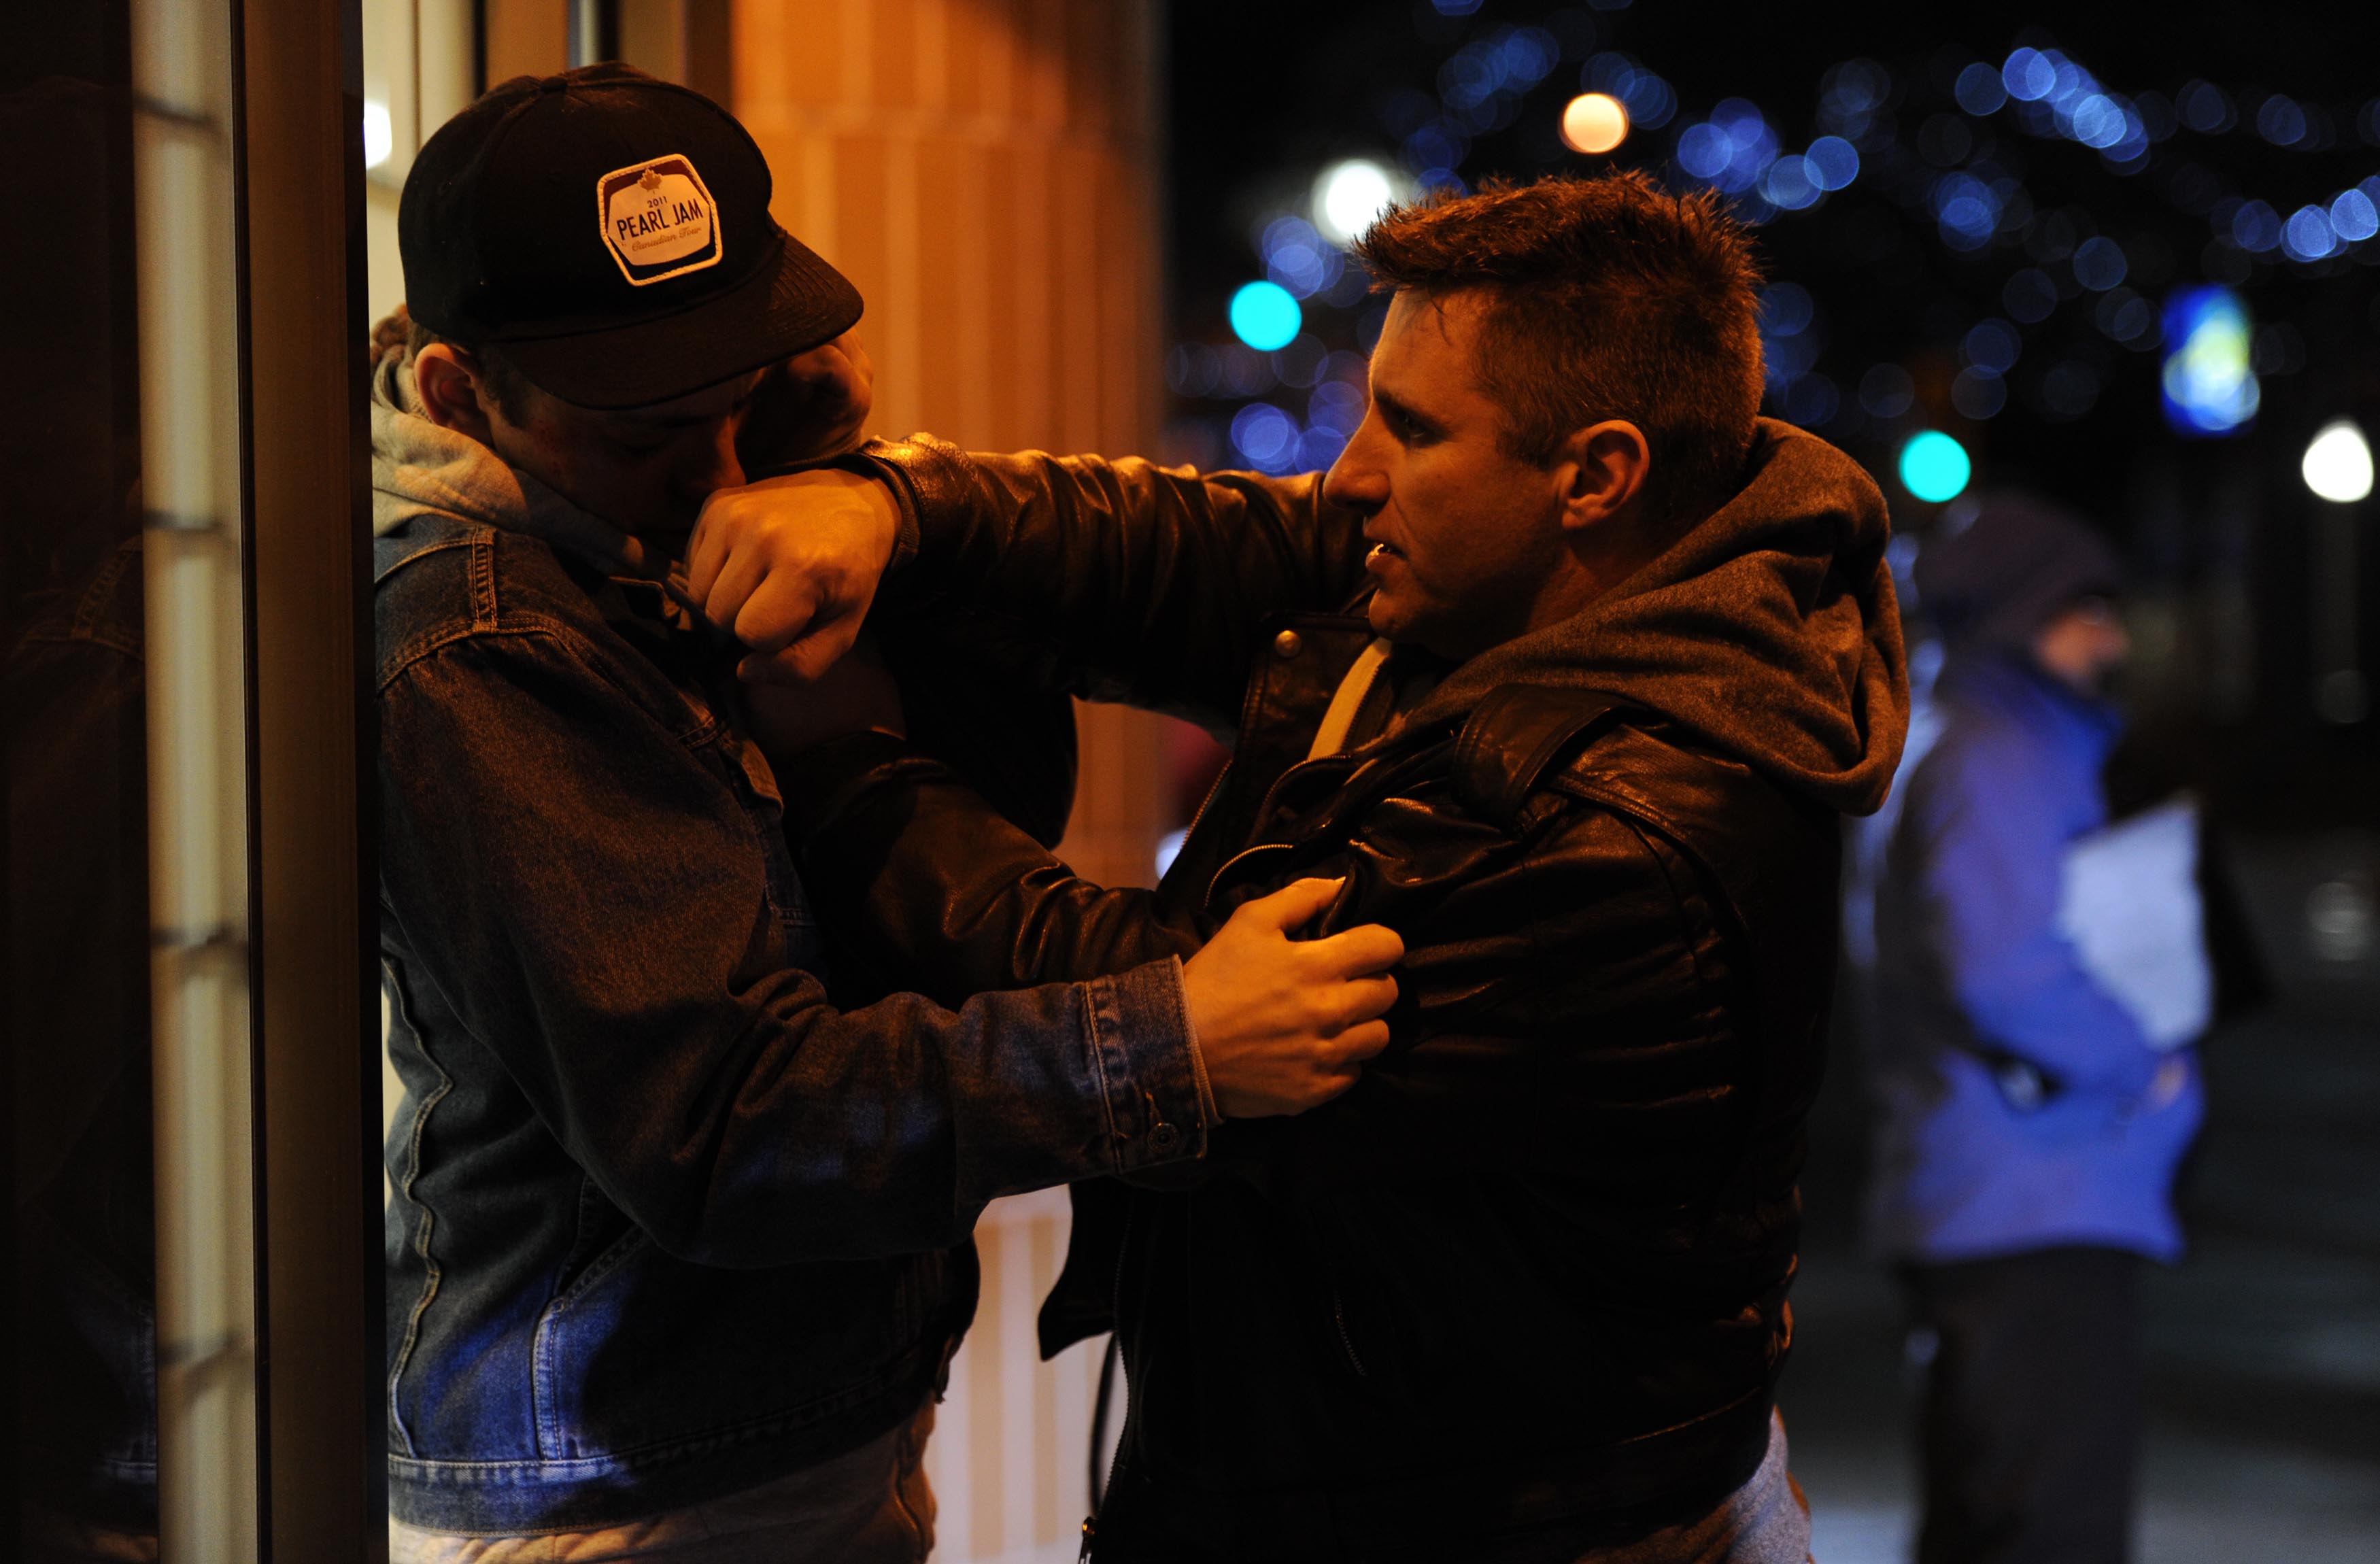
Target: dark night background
x: 2264, y: 1345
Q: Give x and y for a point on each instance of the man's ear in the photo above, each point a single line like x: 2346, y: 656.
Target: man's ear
x: 448, y: 382
x: 1603, y: 468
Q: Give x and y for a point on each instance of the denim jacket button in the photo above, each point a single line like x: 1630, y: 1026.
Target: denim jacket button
x: 1164, y: 1138
x: 1288, y: 644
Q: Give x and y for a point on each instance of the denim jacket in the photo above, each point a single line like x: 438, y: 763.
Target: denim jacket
x: 666, y: 1222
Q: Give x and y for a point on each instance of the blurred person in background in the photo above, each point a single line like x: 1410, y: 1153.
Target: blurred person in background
x: 2031, y: 1116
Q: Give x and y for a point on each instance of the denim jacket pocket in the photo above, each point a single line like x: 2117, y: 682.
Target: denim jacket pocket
x: 552, y: 1352
x: 627, y: 1362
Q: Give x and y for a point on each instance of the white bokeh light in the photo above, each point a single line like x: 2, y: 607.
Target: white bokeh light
x: 2338, y: 464
x: 1350, y: 195
x: 380, y: 136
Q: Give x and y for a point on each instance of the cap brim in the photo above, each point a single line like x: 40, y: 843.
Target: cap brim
x: 790, y: 305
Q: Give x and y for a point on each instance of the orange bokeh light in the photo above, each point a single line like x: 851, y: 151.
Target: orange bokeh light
x: 1594, y: 123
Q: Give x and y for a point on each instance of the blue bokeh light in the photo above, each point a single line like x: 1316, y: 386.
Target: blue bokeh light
x: 1850, y: 95
x: 1299, y: 258
x: 2100, y: 264
x: 1785, y: 309
x: 1434, y: 151
x: 1265, y: 317
x: 1651, y: 102
x: 2209, y: 381
x: 2280, y: 121
x: 1265, y: 437
x: 1992, y: 346
x: 1967, y: 209
x: 2028, y: 77
x: 1980, y: 90
x: 2353, y: 216
x: 2255, y: 227
x: 1978, y: 394
x: 1787, y: 184
x: 2307, y: 234
x: 1732, y: 150
x: 2205, y: 108
x: 1933, y: 466
x: 2098, y: 121
x: 1831, y: 162
x: 1703, y: 150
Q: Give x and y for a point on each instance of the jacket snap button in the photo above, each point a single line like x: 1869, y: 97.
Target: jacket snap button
x: 1163, y: 1136
x: 1289, y: 643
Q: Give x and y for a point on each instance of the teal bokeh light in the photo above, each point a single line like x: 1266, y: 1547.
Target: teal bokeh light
x: 1265, y: 316
x: 1933, y: 466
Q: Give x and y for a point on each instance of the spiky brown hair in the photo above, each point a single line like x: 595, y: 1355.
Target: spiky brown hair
x: 1609, y: 298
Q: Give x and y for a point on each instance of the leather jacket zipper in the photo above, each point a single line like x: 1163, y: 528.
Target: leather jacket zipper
x: 1347, y: 1341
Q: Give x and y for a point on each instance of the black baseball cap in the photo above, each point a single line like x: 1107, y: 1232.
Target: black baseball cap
x: 610, y: 233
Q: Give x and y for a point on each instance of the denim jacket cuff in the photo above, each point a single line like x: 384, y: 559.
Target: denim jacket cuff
x: 1148, y: 1064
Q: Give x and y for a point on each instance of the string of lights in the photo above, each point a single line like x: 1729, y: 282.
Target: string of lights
x: 1941, y: 146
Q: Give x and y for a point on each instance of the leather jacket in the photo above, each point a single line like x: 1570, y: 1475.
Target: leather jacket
x: 1530, y: 1275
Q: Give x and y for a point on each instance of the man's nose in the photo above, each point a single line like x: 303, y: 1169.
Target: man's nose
x: 1358, y: 480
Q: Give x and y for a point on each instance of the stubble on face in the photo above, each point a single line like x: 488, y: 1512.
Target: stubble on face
x: 1467, y: 536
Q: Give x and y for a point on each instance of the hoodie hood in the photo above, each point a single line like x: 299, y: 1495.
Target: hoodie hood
x: 1769, y: 631
x: 420, y: 470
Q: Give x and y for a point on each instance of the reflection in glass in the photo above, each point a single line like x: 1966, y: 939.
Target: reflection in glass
x: 130, y: 1262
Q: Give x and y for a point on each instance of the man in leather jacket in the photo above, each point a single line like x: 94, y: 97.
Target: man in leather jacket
x: 1569, y: 666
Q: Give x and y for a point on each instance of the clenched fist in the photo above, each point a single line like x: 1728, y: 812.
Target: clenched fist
x: 789, y: 566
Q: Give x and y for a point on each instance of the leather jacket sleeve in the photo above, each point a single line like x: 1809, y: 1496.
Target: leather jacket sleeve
x: 595, y: 905
x: 921, y: 883
x: 1124, y: 581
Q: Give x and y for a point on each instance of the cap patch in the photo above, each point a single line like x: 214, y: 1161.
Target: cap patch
x: 659, y: 220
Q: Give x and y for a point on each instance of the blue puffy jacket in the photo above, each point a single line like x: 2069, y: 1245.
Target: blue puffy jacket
x: 1976, y: 983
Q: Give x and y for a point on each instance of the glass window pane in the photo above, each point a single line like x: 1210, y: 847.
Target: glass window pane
x: 126, y: 988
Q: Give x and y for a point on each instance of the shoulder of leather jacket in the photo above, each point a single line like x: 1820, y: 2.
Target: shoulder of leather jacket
x: 1514, y: 736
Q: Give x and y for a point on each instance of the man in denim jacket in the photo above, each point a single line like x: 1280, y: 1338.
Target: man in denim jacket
x: 677, y: 1249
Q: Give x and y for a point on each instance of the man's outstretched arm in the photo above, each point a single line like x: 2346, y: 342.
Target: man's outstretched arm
x: 1117, y: 579
x: 605, y: 922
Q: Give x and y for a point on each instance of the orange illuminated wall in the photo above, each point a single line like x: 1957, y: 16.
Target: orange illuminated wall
x: 986, y: 171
